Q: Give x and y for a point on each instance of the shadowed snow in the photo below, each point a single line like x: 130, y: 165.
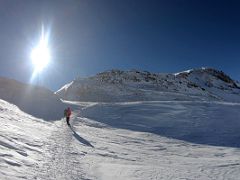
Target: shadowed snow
x: 211, y: 123
x: 37, y: 101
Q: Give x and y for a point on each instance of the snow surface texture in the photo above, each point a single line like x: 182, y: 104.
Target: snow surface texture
x: 189, y: 131
x: 22, y: 140
x: 139, y: 140
x: 37, y: 101
x: 121, y: 86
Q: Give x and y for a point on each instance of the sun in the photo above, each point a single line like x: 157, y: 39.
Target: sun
x: 40, y: 55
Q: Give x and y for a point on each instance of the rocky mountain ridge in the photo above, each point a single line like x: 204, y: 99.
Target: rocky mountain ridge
x: 134, y: 85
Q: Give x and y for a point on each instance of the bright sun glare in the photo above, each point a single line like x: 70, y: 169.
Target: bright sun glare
x: 40, y: 55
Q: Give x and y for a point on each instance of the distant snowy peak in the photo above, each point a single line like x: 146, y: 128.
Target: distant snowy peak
x: 133, y: 85
x: 210, y: 72
x: 118, y: 76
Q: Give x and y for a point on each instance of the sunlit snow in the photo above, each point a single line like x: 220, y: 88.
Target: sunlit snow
x: 178, y: 136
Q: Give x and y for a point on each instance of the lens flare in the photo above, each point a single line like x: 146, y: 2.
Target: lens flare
x: 40, y: 55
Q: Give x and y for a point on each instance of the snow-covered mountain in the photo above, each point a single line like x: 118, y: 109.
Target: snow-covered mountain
x: 116, y: 86
x: 35, y: 100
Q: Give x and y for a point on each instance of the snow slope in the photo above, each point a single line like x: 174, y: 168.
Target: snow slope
x: 121, y: 86
x: 137, y: 140
x: 145, y: 140
x: 22, y: 138
x: 34, y: 100
x: 211, y: 123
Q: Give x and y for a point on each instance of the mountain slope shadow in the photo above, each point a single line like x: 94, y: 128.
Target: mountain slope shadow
x: 34, y: 100
x: 207, y: 123
x: 80, y: 139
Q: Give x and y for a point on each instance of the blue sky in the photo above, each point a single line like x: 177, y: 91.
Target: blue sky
x: 90, y: 36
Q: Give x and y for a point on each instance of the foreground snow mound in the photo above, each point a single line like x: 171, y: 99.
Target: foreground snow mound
x: 121, y: 86
x: 37, y: 101
x: 22, y: 140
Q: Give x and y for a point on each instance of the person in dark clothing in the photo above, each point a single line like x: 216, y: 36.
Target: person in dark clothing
x: 67, y: 114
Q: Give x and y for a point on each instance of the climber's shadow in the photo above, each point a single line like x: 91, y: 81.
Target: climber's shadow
x: 80, y: 139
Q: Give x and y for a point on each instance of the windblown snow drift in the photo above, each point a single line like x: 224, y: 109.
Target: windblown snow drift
x: 37, y: 101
